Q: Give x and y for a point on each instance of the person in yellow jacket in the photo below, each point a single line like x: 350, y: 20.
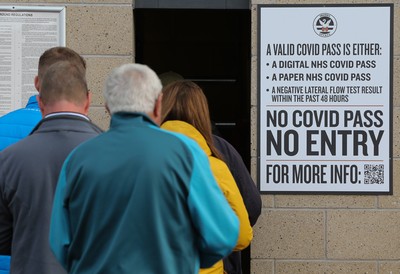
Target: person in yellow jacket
x: 185, y: 110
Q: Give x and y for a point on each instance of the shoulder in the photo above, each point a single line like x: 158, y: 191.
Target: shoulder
x: 21, y: 116
x: 67, y: 123
x: 224, y: 146
x: 230, y: 154
x: 186, y: 149
x: 180, y: 140
x: 16, y: 125
x: 15, y: 155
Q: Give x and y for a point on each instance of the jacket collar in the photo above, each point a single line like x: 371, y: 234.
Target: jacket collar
x: 64, y: 116
x: 67, y: 113
x: 32, y: 103
x: 131, y: 118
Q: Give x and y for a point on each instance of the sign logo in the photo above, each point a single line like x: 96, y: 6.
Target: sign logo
x: 325, y: 25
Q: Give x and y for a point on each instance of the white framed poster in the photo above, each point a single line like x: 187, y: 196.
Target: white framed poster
x: 25, y: 33
x: 325, y: 99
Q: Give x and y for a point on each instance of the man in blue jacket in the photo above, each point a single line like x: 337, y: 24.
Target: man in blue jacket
x: 138, y: 199
x: 19, y: 123
x: 29, y: 169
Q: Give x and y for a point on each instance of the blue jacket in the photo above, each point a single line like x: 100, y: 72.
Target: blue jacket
x: 19, y: 123
x: 139, y: 199
x: 4, y: 264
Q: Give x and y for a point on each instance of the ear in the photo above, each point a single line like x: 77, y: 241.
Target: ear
x: 41, y: 105
x: 157, y: 110
x: 36, y: 82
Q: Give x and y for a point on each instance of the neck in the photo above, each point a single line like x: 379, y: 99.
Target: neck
x: 63, y: 106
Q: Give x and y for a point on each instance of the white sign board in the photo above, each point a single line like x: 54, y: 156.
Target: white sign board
x: 25, y: 33
x: 325, y: 99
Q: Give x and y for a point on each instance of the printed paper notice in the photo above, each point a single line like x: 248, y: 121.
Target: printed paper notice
x: 24, y: 36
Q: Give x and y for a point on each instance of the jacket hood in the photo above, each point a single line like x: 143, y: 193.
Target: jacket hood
x: 188, y: 130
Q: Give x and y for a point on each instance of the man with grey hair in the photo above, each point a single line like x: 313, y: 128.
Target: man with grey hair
x: 138, y: 199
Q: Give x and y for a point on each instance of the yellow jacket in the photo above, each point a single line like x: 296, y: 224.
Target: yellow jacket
x: 227, y: 184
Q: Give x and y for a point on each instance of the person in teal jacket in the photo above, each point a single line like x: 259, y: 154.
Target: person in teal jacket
x: 139, y: 199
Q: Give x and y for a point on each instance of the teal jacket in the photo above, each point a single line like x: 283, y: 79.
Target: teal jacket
x: 138, y: 199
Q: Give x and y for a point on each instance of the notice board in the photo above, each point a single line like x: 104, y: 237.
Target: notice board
x: 25, y: 33
x: 325, y: 99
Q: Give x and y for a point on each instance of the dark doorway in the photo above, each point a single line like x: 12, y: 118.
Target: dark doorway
x: 211, y: 48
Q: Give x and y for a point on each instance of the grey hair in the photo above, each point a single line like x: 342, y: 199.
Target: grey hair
x: 132, y: 88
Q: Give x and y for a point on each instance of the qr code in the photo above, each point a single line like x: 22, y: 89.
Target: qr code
x: 373, y: 174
